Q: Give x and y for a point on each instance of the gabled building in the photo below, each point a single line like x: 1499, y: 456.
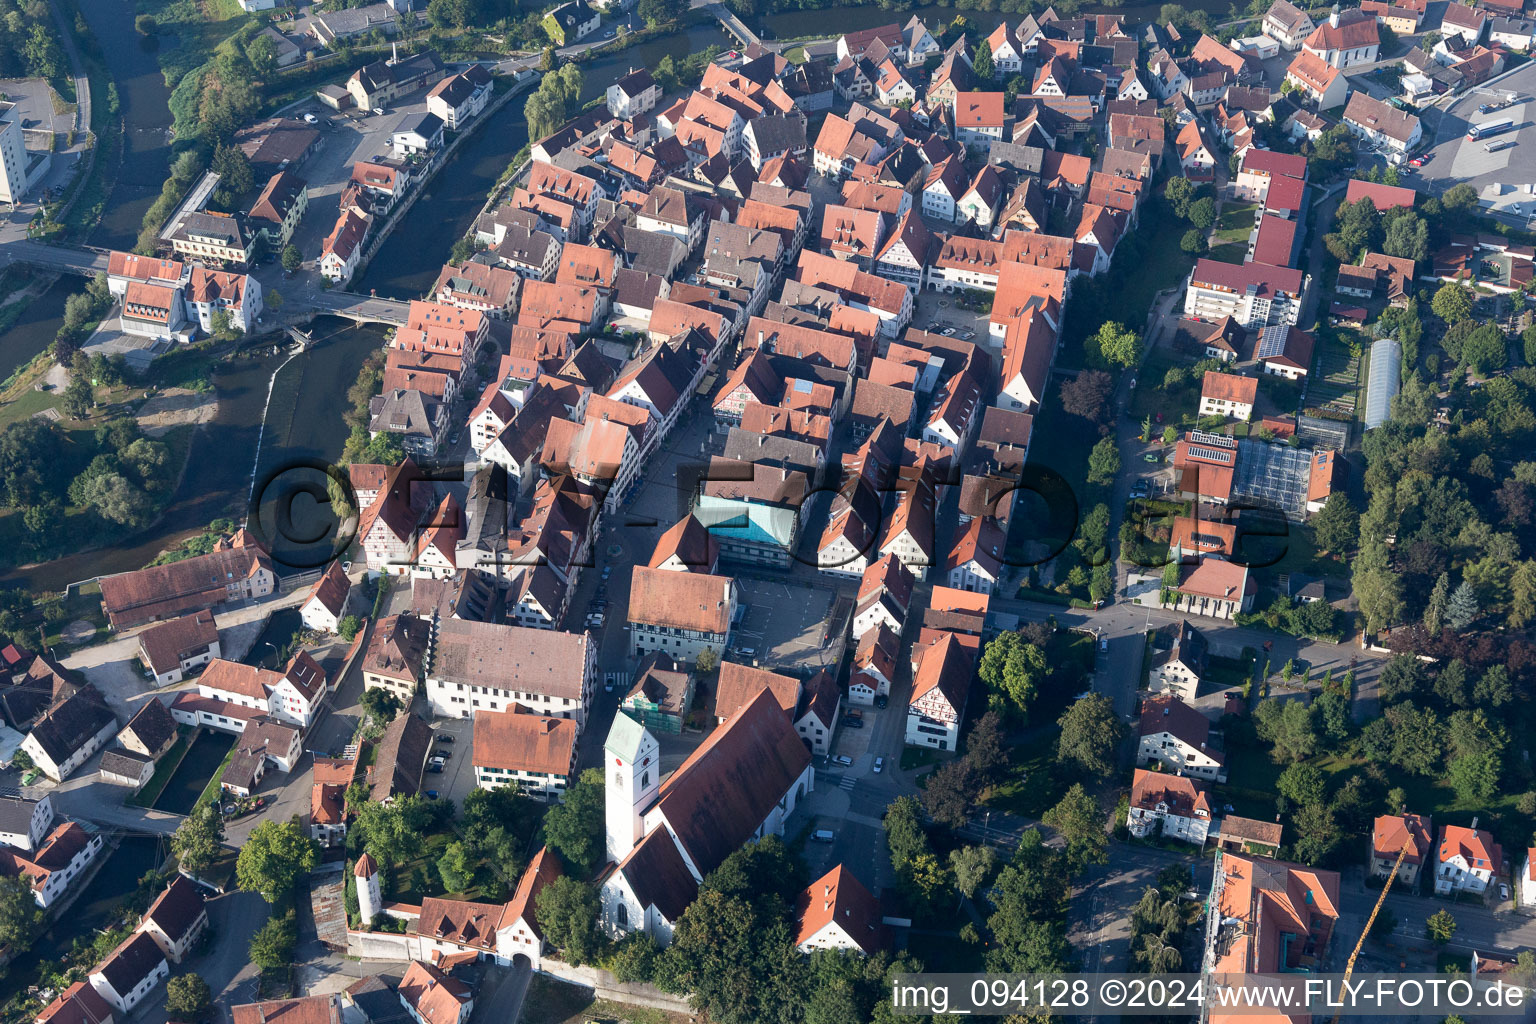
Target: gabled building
x: 173, y: 649
x: 741, y: 784
x: 177, y: 919
x: 1177, y: 737
x: 1170, y: 806
x: 1390, y: 833
x: 837, y: 912
x: 532, y: 752
x: 940, y: 690
x: 1466, y: 860
x: 69, y: 732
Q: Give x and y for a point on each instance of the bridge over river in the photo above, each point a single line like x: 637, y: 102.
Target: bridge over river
x: 87, y: 261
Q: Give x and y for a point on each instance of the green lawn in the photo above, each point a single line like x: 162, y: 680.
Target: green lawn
x: 164, y: 769
x: 1236, y: 217
x: 1229, y: 251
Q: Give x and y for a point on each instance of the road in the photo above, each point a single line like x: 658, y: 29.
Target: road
x: 76, y: 69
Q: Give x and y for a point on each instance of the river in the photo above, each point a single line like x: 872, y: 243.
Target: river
x: 409, y: 260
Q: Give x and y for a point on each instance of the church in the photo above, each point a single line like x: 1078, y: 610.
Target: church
x: 741, y: 784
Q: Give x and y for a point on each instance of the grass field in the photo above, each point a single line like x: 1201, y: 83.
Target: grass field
x: 1229, y: 252
x: 164, y: 769
x: 1337, y: 382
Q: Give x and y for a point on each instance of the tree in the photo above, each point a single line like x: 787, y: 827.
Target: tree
x: 904, y: 835
x: 1485, y: 350
x: 1286, y: 725
x: 261, y: 52
x: 234, y: 170
x: 381, y: 705
x: 145, y: 25
x: 1193, y: 240
x: 568, y: 910
x: 1317, y: 833
x: 635, y: 958
x: 292, y: 258
x: 1202, y: 213
x: 1012, y: 670
x: 1407, y: 237
x: 1337, y: 527
x: 985, y: 749
x: 1434, y: 608
x: 273, y: 944
x: 545, y: 112
x: 21, y: 919
x: 1462, y: 610
x: 1031, y: 891
x: 1087, y: 395
x: 188, y: 997
x: 274, y: 858
x: 1440, y: 927
x: 1103, y: 461
x: 1474, y: 777
x: 1117, y: 345
x: 79, y: 396
x: 982, y: 62
x: 971, y: 866
x: 661, y: 12
x: 1302, y: 784
x: 456, y: 867
x: 575, y: 829
x: 1452, y: 303
x: 737, y: 958
x: 1080, y: 822
x: 1090, y: 736
x: 348, y: 627
x: 950, y: 792
x: 199, y: 839
x: 115, y: 498
x: 1179, y: 193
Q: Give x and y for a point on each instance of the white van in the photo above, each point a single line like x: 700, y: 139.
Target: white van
x: 821, y: 835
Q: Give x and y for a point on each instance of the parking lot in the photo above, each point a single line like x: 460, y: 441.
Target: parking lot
x: 934, y: 312
x: 457, y: 777
x: 786, y: 626
x: 1500, y: 177
x: 348, y: 136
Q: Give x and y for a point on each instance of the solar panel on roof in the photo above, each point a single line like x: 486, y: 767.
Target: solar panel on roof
x: 1218, y: 440
x: 1272, y: 342
x: 1211, y: 455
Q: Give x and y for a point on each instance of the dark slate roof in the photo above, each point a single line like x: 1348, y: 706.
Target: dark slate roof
x: 66, y: 727
x: 153, y: 724
x: 16, y: 814
x: 127, y: 763
x: 177, y: 909
x: 131, y: 963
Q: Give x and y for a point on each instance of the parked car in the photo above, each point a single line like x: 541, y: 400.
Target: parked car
x: 879, y: 764
x: 1103, y: 643
x: 435, y: 769
x: 438, y: 762
x: 844, y: 760
x: 882, y: 701
x: 822, y: 835
x: 311, y: 119
x: 1503, y: 891
x: 855, y: 713
x: 1417, y: 161
x: 853, y: 723
x: 431, y: 794
x: 445, y: 737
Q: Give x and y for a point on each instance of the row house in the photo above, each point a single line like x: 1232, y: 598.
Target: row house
x: 483, y: 666
x: 478, y: 284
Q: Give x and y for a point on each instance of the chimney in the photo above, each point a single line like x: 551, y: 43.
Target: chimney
x: 1474, y: 823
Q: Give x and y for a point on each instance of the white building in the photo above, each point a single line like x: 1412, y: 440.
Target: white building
x: 1467, y: 860
x: 1253, y: 294
x: 57, y: 863
x: 939, y: 691
x: 326, y: 605
x: 1174, y: 805
x: 535, y: 753
x: 633, y: 94
x: 13, y: 155
x: 837, y: 912
x: 741, y: 784
x: 1178, y: 737
x: 1179, y: 669
x: 68, y: 733
x: 24, y: 822
x: 484, y: 666
x: 130, y: 972
x: 177, y: 919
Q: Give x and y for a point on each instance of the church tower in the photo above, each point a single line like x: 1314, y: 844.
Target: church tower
x: 370, y: 900
x: 632, y: 768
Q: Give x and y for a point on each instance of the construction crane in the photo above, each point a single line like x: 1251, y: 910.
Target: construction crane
x: 1349, y: 968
